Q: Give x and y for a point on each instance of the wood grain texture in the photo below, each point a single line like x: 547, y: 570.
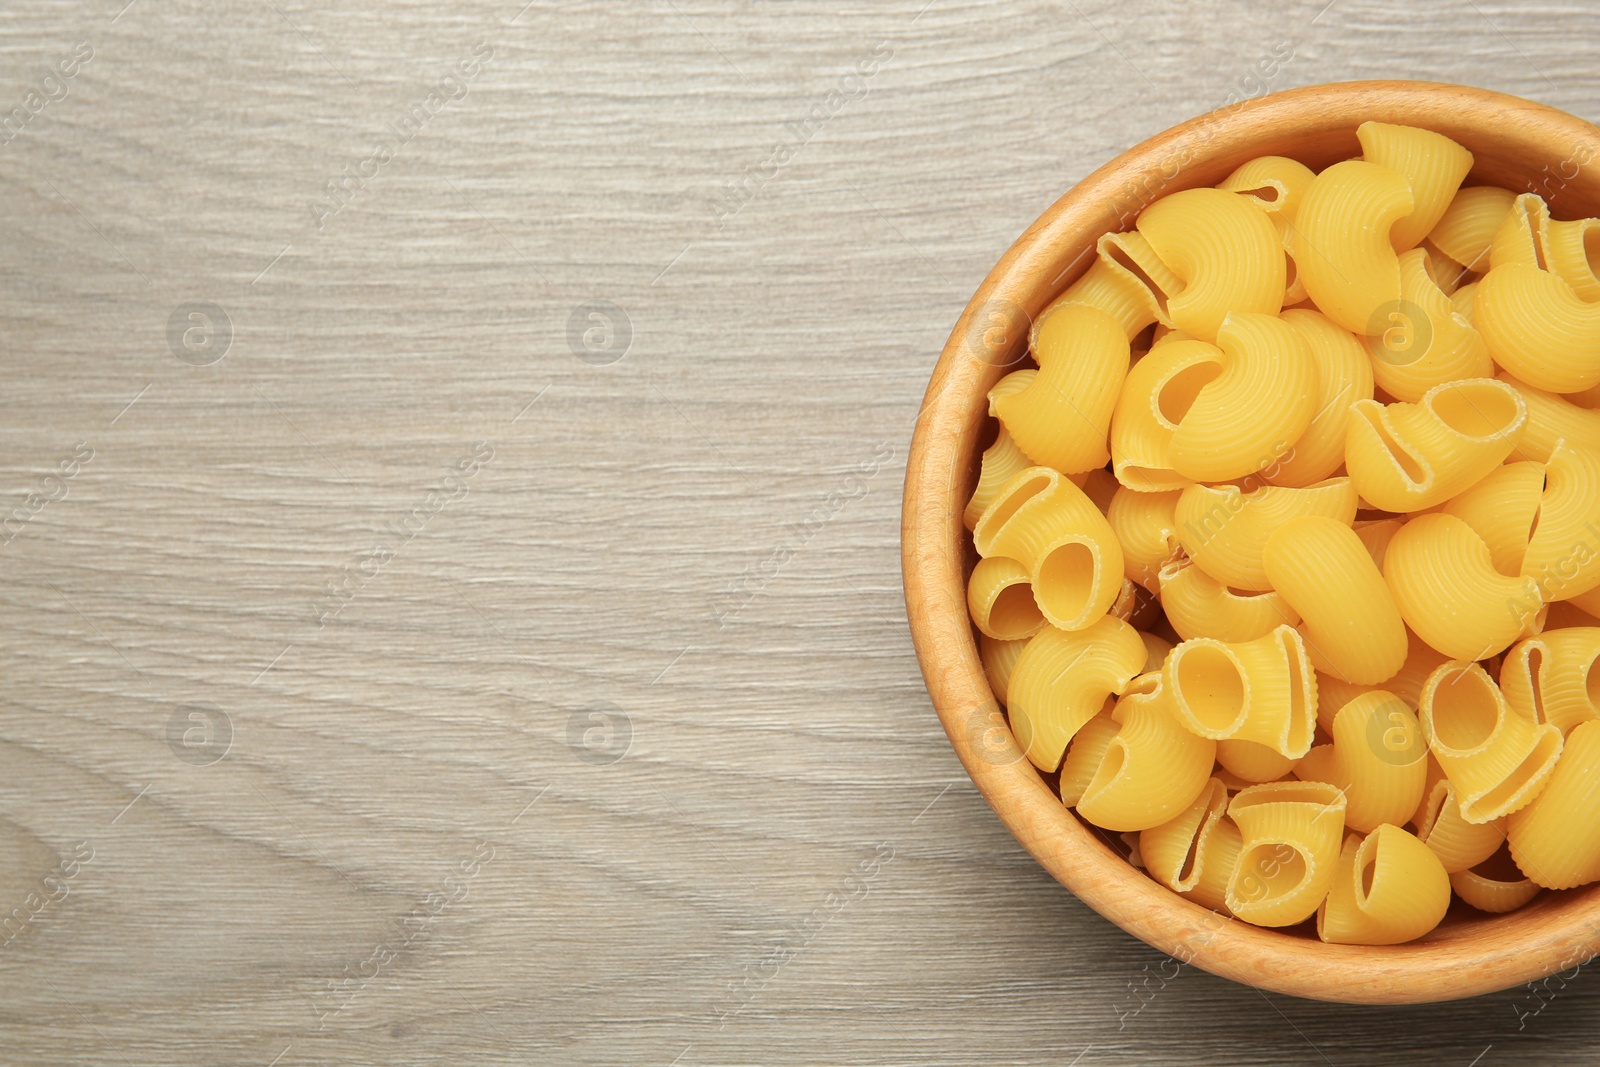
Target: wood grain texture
x: 700, y: 540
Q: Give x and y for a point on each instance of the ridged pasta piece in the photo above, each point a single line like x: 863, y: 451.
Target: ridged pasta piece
x: 1225, y: 530
x: 1389, y: 889
x: 999, y: 659
x: 1290, y: 836
x: 1267, y: 371
x: 1538, y: 329
x: 1252, y: 762
x: 1433, y: 165
x: 1348, y: 615
x: 1458, y: 843
x: 1147, y: 527
x: 1322, y: 764
x: 1552, y: 677
x: 1522, y: 238
x: 1334, y: 693
x: 1497, y: 758
x: 1552, y: 418
x: 1156, y: 395
x: 1343, y: 249
x: 1465, y: 301
x: 1061, y: 680
x: 1085, y: 753
x: 1375, y: 535
x: 1002, y: 460
x: 1153, y: 768
x: 1407, y: 457
x: 1495, y: 886
x: 1571, y: 249
x: 1435, y: 775
x: 1446, y: 273
x: 1224, y: 249
x: 1555, y: 840
x: 1195, y: 853
x: 1563, y: 554
x: 1127, y: 281
x: 1260, y: 690
x: 1426, y: 341
x: 1156, y: 649
x: 1381, y: 754
x: 1197, y: 605
x: 1422, y: 659
x: 1061, y: 418
x: 1000, y: 600
x: 1276, y: 185
x: 1449, y: 592
x: 1344, y: 375
x: 1501, y: 509
x: 1466, y: 230
x: 1073, y: 560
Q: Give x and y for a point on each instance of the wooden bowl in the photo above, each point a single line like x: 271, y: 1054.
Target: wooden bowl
x: 1517, y: 144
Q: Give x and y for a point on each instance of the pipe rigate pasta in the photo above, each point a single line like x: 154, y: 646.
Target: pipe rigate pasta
x: 1061, y: 680
x: 1060, y: 419
x: 1389, y: 889
x: 1199, y: 845
x: 1349, y: 267
x: 1348, y: 615
x: 1552, y: 418
x: 1381, y: 752
x: 1409, y: 457
x: 1458, y: 843
x: 1426, y: 342
x: 1537, y: 328
x: 1290, y: 837
x: 1002, y: 460
x: 1495, y: 886
x: 1502, y: 508
x: 1000, y: 600
x: 1127, y: 281
x: 1467, y: 228
x: 1267, y: 370
x: 1555, y: 840
x: 1253, y: 762
x: 1147, y: 526
x: 1259, y: 690
x: 1225, y: 529
x: 1197, y: 605
x: 1448, y: 591
x: 1157, y: 393
x: 1152, y: 769
x: 999, y: 658
x: 1276, y: 185
x: 1571, y: 249
x: 1497, y: 757
x: 1225, y: 251
x: 1563, y: 555
x: 1084, y: 754
x: 1433, y: 165
x: 1552, y: 676
x: 1344, y: 375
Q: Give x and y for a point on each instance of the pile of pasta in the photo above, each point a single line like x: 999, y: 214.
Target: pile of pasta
x: 1289, y: 564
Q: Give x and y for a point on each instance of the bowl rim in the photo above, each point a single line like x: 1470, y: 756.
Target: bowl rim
x: 1556, y: 930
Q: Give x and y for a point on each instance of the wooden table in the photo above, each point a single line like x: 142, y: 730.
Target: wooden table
x: 451, y: 466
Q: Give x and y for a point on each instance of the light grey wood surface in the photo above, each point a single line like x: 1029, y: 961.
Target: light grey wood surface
x: 614, y: 751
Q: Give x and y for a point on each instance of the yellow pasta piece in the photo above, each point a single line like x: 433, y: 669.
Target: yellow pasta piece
x: 1563, y: 554
x: 1000, y: 600
x: 1427, y: 342
x: 1343, y: 249
x: 1538, y: 329
x: 1435, y: 775
x: 1344, y: 375
x: 1553, y: 418
x: 1196, y: 852
x: 1555, y: 840
x: 1252, y: 762
x: 1334, y: 693
x: 1348, y: 615
x: 1127, y: 281
x: 1466, y: 229
x: 1497, y: 758
x: 1433, y: 165
x: 1458, y: 843
x: 1061, y: 680
x: 1225, y: 530
x: 1422, y: 659
x: 1380, y: 752
x: 1073, y: 560
x: 1002, y: 460
x: 1446, y: 273
x: 1085, y: 753
x: 1147, y: 527
x: 1259, y: 690
x: 1502, y: 509
x: 1389, y: 889
x: 1153, y: 768
x: 1267, y: 371
x: 1197, y: 605
x: 1552, y: 677
x: 1156, y: 395
x: 1408, y: 457
x: 1290, y: 836
x: 1375, y: 535
x: 1522, y: 238
x: 1060, y: 419
x: 1224, y: 249
x: 1495, y: 886
x: 1449, y: 592
x: 1571, y: 249
x: 1156, y: 649
x: 999, y: 659
x: 1276, y: 185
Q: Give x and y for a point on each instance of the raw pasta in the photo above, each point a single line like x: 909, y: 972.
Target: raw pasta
x: 1290, y: 835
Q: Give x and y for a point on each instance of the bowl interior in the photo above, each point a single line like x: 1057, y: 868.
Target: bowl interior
x: 1516, y: 144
